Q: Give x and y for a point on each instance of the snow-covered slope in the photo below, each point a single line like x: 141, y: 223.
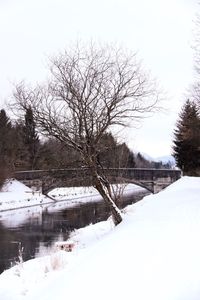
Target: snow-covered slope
x: 15, y: 195
x: 153, y: 254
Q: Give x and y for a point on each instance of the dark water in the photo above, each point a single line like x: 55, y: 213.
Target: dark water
x: 28, y: 230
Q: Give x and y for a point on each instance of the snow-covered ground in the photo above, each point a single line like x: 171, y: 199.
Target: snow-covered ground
x: 16, y: 195
x: 153, y: 254
x: 18, y: 202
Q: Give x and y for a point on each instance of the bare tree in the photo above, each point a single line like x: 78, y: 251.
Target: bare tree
x: 89, y: 91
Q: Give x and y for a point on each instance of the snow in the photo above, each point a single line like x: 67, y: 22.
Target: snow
x: 16, y: 217
x: 18, y: 202
x: 66, y: 193
x: 72, y: 192
x: 15, y: 194
x: 153, y: 254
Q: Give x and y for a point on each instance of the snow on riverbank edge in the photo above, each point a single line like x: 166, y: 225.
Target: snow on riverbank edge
x: 16, y: 195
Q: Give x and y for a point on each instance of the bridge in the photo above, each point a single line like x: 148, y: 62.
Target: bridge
x: 153, y: 180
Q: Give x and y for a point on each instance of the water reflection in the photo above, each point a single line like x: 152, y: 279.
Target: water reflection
x: 15, y: 218
x: 36, y: 227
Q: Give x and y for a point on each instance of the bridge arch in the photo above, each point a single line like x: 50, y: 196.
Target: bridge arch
x: 153, y: 180
x: 149, y: 187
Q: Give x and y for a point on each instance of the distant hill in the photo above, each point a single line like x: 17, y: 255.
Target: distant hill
x: 167, y: 159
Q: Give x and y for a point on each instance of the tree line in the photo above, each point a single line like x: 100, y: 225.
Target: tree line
x: 22, y: 148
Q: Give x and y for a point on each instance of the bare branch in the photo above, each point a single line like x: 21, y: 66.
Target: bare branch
x: 89, y: 91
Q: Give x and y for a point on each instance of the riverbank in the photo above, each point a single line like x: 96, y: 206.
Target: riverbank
x: 37, y: 228
x: 153, y: 254
x: 15, y: 195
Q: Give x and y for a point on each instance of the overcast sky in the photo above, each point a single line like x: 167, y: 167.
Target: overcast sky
x: 162, y: 32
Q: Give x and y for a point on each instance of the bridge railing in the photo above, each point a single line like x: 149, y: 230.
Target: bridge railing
x: 136, y: 173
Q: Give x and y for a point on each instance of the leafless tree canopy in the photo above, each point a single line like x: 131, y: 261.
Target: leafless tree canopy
x: 195, y: 94
x: 89, y: 91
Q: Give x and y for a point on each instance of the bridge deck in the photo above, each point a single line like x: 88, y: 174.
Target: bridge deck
x: 49, y: 179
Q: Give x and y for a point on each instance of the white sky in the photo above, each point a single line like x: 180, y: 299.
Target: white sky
x: 161, y: 31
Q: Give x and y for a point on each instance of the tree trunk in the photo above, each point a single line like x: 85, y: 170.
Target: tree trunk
x: 104, y: 192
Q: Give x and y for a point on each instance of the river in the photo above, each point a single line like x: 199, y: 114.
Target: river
x: 35, y: 229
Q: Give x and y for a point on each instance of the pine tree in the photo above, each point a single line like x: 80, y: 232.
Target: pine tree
x: 186, y: 148
x: 5, y: 134
x: 142, y: 162
x: 5, y: 146
x: 31, y: 138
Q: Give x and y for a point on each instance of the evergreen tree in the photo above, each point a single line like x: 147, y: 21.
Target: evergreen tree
x: 4, y: 120
x: 142, y: 162
x: 131, y: 160
x: 5, y: 137
x: 21, y: 155
x: 113, y: 154
x: 5, y: 146
x: 187, y: 140
x: 31, y: 138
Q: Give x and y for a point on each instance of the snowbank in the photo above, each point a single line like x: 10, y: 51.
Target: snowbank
x: 153, y: 254
x: 66, y: 193
x: 16, y: 195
